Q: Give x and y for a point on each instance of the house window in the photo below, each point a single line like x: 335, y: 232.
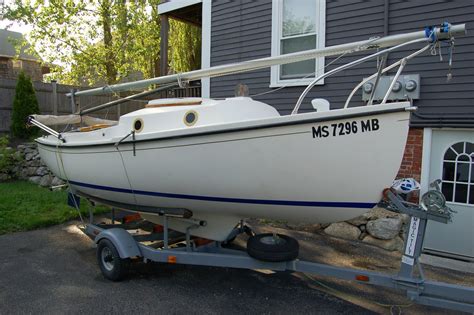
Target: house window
x: 17, y: 64
x: 458, y: 173
x: 297, y: 25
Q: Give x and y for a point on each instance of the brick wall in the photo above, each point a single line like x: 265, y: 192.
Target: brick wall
x: 411, y: 163
x: 9, y: 69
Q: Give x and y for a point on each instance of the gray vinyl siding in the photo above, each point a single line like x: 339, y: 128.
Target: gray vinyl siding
x: 241, y: 30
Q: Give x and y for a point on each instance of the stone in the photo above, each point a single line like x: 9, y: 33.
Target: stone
x: 403, y: 231
x: 385, y: 229
x: 41, y: 171
x: 35, y: 179
x: 379, y: 213
x: 32, y: 171
x: 303, y: 227
x: 405, y: 218
x: 45, y: 181
x: 20, y: 147
x: 395, y: 244
x: 325, y: 225
x: 362, y: 235
x: 57, y: 181
x: 343, y: 230
x: 363, y: 227
x: 360, y: 220
x: 23, y: 174
x: 34, y: 163
x: 29, y: 156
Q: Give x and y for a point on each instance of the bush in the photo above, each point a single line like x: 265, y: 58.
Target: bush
x: 24, y: 104
x: 8, y: 158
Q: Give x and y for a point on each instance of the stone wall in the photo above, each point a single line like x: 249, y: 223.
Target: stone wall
x: 379, y: 227
x: 30, y: 168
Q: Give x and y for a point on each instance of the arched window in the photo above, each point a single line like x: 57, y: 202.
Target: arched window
x: 458, y: 173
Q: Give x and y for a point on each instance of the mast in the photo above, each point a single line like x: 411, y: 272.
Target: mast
x: 431, y: 34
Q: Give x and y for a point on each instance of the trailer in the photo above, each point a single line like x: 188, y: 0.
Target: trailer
x: 116, y: 246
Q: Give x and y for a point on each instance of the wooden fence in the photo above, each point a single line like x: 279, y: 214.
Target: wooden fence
x: 56, y: 102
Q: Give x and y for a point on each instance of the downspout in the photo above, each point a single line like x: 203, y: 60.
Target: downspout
x: 385, y: 28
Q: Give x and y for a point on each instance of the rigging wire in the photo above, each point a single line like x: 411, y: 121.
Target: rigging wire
x: 76, y: 206
x: 128, y: 178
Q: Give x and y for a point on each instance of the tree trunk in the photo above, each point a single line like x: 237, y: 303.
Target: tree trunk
x: 106, y: 19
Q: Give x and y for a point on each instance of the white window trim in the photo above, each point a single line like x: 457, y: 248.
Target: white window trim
x: 175, y: 5
x: 275, y: 81
x: 206, y: 46
x: 426, y: 161
x: 454, y: 182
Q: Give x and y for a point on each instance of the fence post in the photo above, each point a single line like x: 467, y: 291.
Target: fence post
x: 55, y: 96
x: 73, y: 101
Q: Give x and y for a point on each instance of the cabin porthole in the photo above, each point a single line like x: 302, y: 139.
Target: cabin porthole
x: 190, y: 118
x: 138, y: 125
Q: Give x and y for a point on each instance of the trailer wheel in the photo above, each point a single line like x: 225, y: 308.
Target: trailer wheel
x: 272, y: 247
x: 112, y: 266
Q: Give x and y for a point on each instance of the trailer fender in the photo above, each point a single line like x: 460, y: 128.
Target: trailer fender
x: 124, y: 243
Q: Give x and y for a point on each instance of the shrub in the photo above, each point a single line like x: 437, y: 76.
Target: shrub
x: 24, y: 104
x: 8, y: 158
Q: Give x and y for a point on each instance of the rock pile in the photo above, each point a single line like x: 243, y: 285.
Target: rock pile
x: 31, y: 168
x: 377, y: 227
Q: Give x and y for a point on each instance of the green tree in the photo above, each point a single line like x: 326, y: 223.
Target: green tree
x: 185, y: 46
x: 104, y: 41
x: 24, y: 104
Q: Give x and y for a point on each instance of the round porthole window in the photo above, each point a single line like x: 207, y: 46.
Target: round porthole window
x: 190, y: 118
x: 138, y: 125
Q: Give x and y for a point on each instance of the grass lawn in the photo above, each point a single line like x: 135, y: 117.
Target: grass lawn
x: 26, y: 206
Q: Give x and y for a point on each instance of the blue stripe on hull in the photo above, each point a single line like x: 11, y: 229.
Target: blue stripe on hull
x: 329, y: 204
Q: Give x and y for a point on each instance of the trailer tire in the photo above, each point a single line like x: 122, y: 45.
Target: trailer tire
x: 112, y: 266
x: 267, y: 247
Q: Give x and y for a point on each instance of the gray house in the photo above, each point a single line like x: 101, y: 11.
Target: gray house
x: 12, y: 62
x: 441, y: 139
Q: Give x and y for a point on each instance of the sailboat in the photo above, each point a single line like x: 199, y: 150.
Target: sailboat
x: 207, y: 164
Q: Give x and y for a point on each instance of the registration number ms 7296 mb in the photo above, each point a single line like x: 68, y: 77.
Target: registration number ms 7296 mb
x: 346, y: 128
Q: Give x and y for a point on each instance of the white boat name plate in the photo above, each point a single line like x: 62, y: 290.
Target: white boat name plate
x: 412, y: 236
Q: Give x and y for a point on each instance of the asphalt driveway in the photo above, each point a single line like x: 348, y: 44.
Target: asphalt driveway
x: 54, y: 270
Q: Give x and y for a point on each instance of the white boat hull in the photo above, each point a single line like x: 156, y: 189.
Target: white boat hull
x: 301, y: 171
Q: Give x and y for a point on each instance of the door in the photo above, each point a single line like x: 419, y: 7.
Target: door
x: 452, y: 161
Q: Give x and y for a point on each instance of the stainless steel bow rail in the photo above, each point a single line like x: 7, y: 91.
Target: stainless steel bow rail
x: 179, y: 248
x: 31, y: 121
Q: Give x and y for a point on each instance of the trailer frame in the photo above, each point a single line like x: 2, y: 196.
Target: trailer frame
x: 417, y: 288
